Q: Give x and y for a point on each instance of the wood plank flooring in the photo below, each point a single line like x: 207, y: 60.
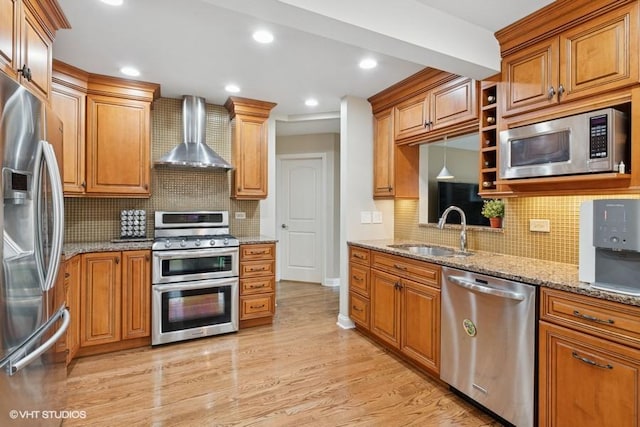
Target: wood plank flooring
x: 301, y: 371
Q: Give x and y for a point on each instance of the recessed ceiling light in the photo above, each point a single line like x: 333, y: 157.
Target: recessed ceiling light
x: 112, y: 2
x: 130, y: 71
x: 311, y: 102
x: 263, y: 36
x: 232, y: 88
x: 368, y: 63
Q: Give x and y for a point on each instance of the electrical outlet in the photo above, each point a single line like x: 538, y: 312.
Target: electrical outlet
x: 241, y: 215
x: 376, y: 217
x: 540, y: 225
x: 365, y: 217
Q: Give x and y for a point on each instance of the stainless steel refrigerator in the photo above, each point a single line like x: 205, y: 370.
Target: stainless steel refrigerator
x: 32, y: 374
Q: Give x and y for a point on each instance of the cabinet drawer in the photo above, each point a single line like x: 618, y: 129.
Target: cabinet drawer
x: 359, y: 309
x: 359, y: 279
x: 359, y: 255
x: 405, y: 267
x: 258, y: 285
x: 257, y: 252
x: 257, y: 306
x: 607, y: 319
x: 257, y: 268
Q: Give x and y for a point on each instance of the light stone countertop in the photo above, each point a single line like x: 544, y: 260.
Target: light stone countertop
x: 527, y: 270
x: 71, y: 249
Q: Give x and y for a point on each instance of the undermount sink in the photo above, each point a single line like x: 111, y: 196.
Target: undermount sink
x: 420, y: 249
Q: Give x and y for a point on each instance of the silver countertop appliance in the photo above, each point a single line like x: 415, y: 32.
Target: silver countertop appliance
x: 488, y: 342
x: 610, y: 245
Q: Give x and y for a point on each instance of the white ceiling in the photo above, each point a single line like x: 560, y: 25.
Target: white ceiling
x: 196, y: 47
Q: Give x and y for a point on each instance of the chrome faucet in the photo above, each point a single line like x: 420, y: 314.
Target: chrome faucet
x: 463, y: 232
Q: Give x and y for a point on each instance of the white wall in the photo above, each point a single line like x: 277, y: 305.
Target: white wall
x: 268, y: 205
x: 329, y: 145
x: 356, y: 190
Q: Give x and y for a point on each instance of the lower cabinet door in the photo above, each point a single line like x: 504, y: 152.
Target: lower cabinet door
x: 421, y: 324
x: 385, y: 307
x: 586, y: 381
x: 136, y: 294
x: 359, y: 310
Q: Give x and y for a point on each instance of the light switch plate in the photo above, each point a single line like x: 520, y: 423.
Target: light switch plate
x: 540, y: 225
x: 365, y: 217
x: 376, y: 217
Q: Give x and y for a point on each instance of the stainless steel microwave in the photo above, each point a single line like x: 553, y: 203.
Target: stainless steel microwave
x: 585, y: 143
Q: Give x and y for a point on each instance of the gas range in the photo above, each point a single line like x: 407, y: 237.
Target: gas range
x: 192, y: 230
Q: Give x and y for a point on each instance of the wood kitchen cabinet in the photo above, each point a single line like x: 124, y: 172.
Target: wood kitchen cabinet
x: 115, y: 301
x: 107, y: 138
x: 359, y: 287
x: 589, y: 361
x: 257, y: 284
x: 395, y: 167
x: 405, y: 307
x: 249, y: 146
x: 69, y: 101
x: 442, y: 107
x: 72, y: 280
x: 594, y: 57
x: 27, y: 31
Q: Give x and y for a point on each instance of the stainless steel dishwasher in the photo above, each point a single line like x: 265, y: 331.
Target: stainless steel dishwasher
x: 488, y: 342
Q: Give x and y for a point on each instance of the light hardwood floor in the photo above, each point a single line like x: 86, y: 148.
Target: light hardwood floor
x: 301, y: 371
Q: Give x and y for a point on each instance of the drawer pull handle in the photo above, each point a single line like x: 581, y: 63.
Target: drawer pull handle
x: 400, y: 267
x: 257, y: 306
x: 67, y: 275
x: 356, y: 308
x: 592, y: 318
x: 590, y: 362
x: 357, y: 278
x: 359, y: 256
x: 257, y: 269
x: 256, y: 286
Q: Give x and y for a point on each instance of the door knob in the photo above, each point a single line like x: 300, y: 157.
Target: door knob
x: 284, y: 226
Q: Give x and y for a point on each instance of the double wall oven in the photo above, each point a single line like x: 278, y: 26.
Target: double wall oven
x: 194, y: 276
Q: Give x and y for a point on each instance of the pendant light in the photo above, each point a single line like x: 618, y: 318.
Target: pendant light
x: 444, y: 173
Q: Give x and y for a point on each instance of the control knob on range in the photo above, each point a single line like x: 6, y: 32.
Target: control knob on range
x: 183, y: 243
x: 198, y: 243
x: 212, y: 242
x: 225, y: 241
x: 167, y: 244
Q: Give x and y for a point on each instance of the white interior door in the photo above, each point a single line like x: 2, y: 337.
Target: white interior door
x: 301, y: 217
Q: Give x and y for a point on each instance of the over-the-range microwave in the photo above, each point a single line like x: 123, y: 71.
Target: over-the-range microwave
x: 584, y: 143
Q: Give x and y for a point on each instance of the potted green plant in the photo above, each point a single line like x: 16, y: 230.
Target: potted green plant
x: 494, y: 210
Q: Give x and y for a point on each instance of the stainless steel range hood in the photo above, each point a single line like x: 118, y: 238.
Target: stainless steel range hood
x: 193, y: 152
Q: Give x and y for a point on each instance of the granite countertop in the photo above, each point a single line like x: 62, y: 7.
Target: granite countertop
x: 71, y: 249
x: 527, y: 270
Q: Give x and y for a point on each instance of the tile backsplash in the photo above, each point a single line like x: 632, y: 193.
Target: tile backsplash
x: 560, y: 244
x: 98, y: 219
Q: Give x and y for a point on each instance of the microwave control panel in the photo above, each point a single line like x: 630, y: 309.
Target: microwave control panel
x: 598, y: 136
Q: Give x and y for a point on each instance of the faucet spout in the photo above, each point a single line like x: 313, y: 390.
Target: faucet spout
x: 463, y: 222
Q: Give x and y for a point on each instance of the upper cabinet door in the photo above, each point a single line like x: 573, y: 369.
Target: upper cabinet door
x: 9, y: 27
x: 118, y: 146
x: 531, y: 77
x: 453, y: 103
x: 383, y: 155
x: 411, y: 117
x: 37, y: 55
x: 250, y: 155
x: 600, y: 55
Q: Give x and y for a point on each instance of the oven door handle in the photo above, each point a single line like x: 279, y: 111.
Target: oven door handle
x: 193, y: 253
x: 201, y: 284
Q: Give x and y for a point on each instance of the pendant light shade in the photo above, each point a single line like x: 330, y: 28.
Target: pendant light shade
x: 444, y: 173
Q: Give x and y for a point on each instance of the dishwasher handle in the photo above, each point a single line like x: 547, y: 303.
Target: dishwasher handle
x: 467, y: 284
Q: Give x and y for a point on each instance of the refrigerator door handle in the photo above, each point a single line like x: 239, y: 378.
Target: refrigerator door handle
x: 14, y: 366
x: 58, y: 214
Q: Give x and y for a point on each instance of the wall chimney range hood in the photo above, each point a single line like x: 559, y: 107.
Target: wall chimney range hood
x: 193, y: 152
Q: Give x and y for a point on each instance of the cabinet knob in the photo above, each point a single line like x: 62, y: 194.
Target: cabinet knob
x: 117, y: 260
x: 83, y: 185
x: 26, y: 72
x: 551, y: 92
x: 560, y: 90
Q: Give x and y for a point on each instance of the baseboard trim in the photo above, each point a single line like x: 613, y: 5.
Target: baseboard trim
x: 331, y: 282
x: 345, y: 322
